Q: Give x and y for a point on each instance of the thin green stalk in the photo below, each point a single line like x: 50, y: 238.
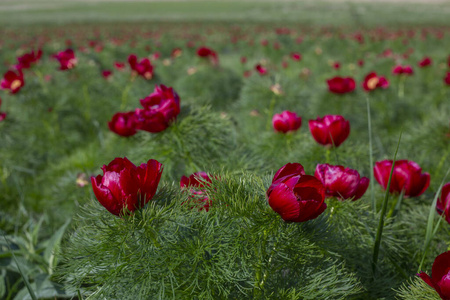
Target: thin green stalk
x: 25, y: 279
x: 376, y: 247
x: 369, y: 125
x: 395, y: 208
x: 401, y: 86
x: 430, y: 233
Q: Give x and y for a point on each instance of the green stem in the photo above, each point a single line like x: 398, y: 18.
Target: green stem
x: 401, y: 86
x: 395, y: 208
x: 327, y: 155
x: 376, y: 247
x: 369, y: 127
x: 124, y: 101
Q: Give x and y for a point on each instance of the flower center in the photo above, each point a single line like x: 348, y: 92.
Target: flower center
x: 16, y: 84
x: 372, y: 83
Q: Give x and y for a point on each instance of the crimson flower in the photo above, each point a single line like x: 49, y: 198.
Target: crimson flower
x: 123, y: 124
x: 2, y: 114
x: 12, y: 81
x: 160, y: 108
x: 260, y: 69
x: 195, y: 184
x: 66, y: 58
x: 447, y: 79
x: 407, y: 177
x: 296, y: 56
x: 331, y: 130
x: 206, y: 52
x: 119, y: 65
x: 125, y: 186
x: 426, y: 61
x: 143, y: 68
x: 336, y: 65
x: 443, y: 203
x: 402, y: 70
x: 372, y: 81
x: 286, y: 121
x: 296, y: 197
x: 440, y: 275
x: 342, y: 183
x: 28, y: 59
x: 106, y: 74
x: 341, y: 85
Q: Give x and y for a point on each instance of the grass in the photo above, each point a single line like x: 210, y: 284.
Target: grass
x: 312, y: 13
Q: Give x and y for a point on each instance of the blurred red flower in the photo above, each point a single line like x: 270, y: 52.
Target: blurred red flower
x: 66, y: 58
x: 402, y: 70
x: 286, y: 121
x: 372, y: 81
x: 426, y: 61
x: 143, y: 68
x: 28, y: 59
x: 443, y: 203
x: 123, y: 124
x: 341, y: 85
x: 12, y: 81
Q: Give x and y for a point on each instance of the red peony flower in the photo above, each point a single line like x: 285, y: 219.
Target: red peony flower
x: 260, y: 69
x: 402, y: 70
x: 143, y: 68
x: 160, y: 108
x: 123, y: 124
x: 443, y: 203
x: 28, y: 59
x: 119, y: 66
x: 440, y: 275
x: 286, y: 121
x: 447, y: 79
x: 342, y: 183
x: 125, y: 186
x: 372, y: 81
x: 66, y: 58
x: 2, y: 114
x: 208, y: 53
x: 426, y: 61
x: 341, y: 85
x: 296, y: 56
x: 12, y: 81
x: 296, y: 197
x: 407, y: 176
x: 195, y: 184
x: 331, y: 130
x: 336, y: 65
x: 106, y: 74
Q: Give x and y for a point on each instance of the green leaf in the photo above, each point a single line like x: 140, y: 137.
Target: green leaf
x: 52, y: 246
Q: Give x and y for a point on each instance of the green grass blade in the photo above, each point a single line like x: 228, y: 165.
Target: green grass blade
x: 369, y: 128
x: 25, y: 279
x: 376, y: 247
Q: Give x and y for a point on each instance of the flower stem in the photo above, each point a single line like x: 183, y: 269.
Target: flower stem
x: 369, y: 127
x: 376, y: 247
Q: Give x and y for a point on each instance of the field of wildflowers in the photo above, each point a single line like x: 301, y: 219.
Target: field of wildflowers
x: 196, y: 160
